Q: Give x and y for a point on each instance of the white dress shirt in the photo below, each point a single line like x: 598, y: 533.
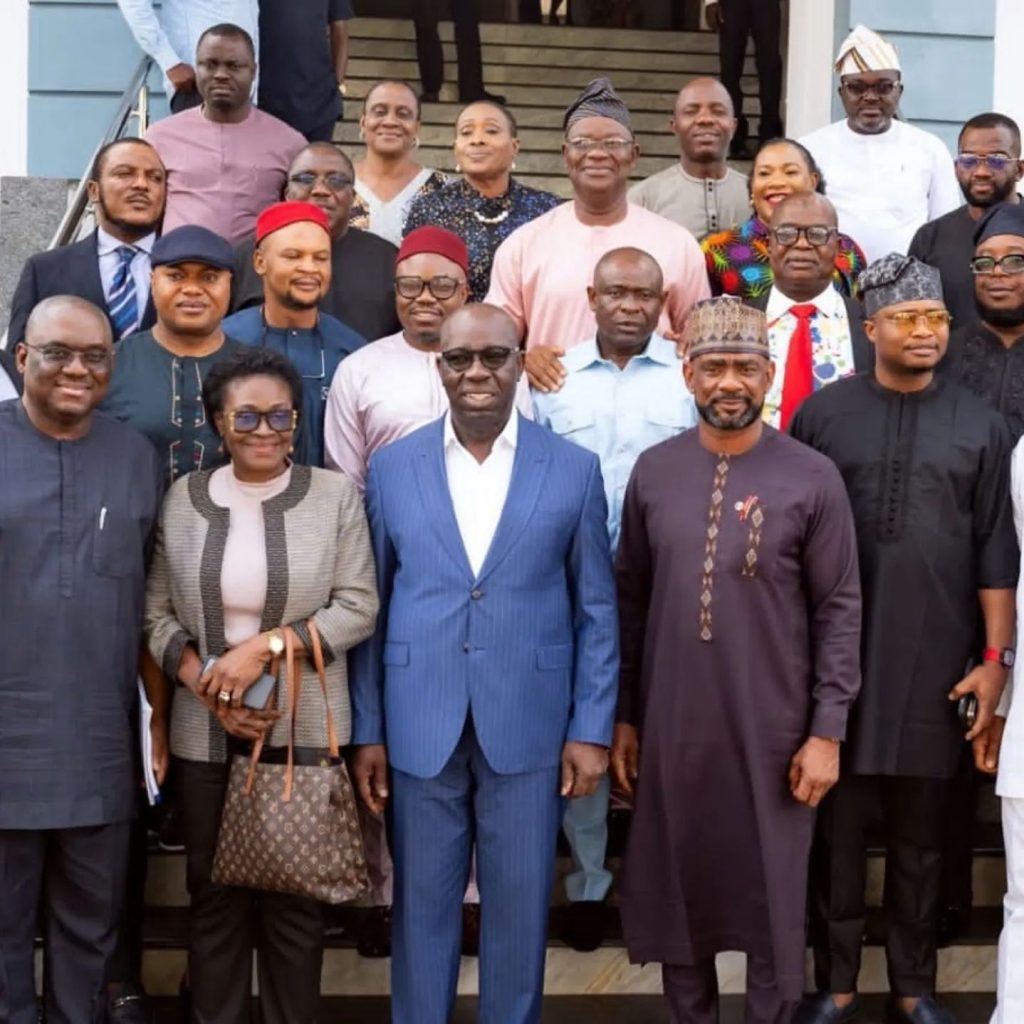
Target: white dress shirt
x: 1010, y: 783
x: 106, y: 249
x: 172, y: 37
x: 7, y: 388
x: 479, y: 489
x: 831, y: 343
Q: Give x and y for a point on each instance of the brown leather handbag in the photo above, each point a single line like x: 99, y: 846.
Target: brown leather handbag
x: 290, y: 827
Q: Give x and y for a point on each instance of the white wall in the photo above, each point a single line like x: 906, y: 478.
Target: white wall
x: 1008, y: 96
x: 809, y: 80
x: 14, y: 88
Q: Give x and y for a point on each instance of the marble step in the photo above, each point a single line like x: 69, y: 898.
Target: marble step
x: 561, y: 68
x: 650, y: 1009
x: 553, y: 54
x: 544, y: 35
x: 603, y: 974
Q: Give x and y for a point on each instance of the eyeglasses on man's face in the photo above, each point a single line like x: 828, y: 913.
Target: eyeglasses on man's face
x: 907, y: 320
x: 614, y: 147
x: 816, y: 234
x: 245, y: 421
x: 335, y: 181
x: 993, y: 161
x: 60, y: 355
x: 858, y: 90
x: 441, y: 287
x: 1011, y: 264
x: 494, y: 357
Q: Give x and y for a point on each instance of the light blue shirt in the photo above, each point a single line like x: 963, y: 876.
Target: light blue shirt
x: 616, y: 413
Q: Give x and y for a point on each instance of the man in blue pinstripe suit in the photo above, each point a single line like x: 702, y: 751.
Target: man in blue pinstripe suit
x: 489, y: 687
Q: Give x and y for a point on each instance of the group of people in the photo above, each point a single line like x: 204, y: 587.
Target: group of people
x: 685, y: 489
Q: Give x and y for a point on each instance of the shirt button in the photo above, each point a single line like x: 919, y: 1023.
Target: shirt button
x: 465, y: 648
x: 476, y: 595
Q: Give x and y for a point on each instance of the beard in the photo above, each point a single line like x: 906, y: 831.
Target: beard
x: 737, y: 421
x: 290, y: 301
x: 1004, y: 194
x: 127, y: 226
x: 1013, y: 317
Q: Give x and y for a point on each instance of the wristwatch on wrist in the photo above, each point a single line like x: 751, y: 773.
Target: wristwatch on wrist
x: 1004, y: 656
x: 343, y: 88
x: 275, y: 642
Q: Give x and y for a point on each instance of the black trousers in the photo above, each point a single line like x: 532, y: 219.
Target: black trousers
x: 126, y: 964
x: 691, y: 994
x: 426, y: 15
x: 913, y: 812
x: 226, y: 924
x: 77, y: 875
x: 761, y: 19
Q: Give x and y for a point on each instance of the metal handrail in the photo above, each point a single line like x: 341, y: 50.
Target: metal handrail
x: 137, y: 92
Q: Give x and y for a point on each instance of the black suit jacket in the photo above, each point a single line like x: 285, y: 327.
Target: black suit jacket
x: 863, y: 350
x: 7, y: 365
x: 71, y: 270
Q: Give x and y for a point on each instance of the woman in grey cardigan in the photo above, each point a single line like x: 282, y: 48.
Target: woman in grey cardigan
x: 243, y: 551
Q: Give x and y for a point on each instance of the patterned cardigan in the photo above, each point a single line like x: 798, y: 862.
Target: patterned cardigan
x: 319, y: 564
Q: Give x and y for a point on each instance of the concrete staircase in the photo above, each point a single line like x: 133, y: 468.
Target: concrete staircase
x: 540, y: 69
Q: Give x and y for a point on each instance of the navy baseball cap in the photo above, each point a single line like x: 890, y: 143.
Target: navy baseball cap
x: 192, y: 244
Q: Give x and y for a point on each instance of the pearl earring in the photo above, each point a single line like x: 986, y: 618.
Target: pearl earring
x: 458, y: 168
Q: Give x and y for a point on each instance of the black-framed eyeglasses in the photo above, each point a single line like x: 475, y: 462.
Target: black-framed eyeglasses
x: 441, y: 287
x: 335, y: 181
x: 1011, y: 264
x: 882, y: 89
x: 611, y: 146
x: 816, y: 234
x: 993, y: 161
x: 494, y: 357
x: 245, y: 421
x: 61, y: 355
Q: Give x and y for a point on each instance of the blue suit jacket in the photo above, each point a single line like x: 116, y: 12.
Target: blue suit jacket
x: 530, y: 646
x: 71, y: 270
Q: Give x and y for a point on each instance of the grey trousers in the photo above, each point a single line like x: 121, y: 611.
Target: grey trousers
x: 691, y: 992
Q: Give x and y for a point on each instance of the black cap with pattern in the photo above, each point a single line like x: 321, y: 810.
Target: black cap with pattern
x: 895, y: 278
x: 598, y: 99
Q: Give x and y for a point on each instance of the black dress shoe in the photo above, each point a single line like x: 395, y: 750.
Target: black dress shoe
x: 927, y: 1011
x: 430, y: 97
x: 129, y: 1006
x: 583, y: 925
x: 820, y: 1008
x: 470, y: 929
x: 739, y: 149
x: 483, y: 97
x: 953, y: 922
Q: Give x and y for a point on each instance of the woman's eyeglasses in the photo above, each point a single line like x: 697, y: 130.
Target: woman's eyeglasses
x: 459, y: 360
x: 441, y: 287
x: 245, y: 421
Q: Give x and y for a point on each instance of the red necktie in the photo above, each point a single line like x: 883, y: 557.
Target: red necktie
x: 799, y: 380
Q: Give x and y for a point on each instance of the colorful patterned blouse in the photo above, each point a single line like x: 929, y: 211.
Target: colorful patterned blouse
x: 482, y: 223
x: 738, y: 261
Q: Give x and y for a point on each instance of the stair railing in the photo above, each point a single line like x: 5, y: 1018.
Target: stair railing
x: 134, y: 103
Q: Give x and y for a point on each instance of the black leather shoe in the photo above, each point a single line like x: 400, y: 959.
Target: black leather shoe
x: 820, y: 1008
x: 129, y: 1006
x: 582, y: 925
x: 483, y: 97
x: 927, y: 1011
x: 373, y: 937
x: 429, y: 97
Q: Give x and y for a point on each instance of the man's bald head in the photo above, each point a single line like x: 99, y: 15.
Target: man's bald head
x: 704, y: 122
x: 803, y: 245
x: 320, y: 151
x: 479, y: 319
x: 802, y: 204
x: 66, y: 359
x: 629, y: 259
x: 92, y: 319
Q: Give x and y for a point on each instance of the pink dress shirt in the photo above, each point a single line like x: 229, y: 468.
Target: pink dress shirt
x: 222, y: 176
x: 542, y: 270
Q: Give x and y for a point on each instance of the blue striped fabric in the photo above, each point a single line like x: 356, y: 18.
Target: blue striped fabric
x: 123, y: 303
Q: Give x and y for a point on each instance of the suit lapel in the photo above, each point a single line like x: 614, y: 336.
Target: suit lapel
x: 528, y: 476
x: 863, y: 350
x: 432, y: 477
x: 91, y: 269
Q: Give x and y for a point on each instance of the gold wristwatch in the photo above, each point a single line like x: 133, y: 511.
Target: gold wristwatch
x: 275, y: 642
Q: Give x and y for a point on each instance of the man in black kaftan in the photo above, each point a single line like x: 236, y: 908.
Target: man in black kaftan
x: 926, y: 465
x: 740, y: 621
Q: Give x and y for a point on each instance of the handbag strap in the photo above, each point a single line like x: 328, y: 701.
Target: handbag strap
x: 321, y: 671
x: 257, y: 747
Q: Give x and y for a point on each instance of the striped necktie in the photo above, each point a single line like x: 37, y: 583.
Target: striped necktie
x: 123, y: 304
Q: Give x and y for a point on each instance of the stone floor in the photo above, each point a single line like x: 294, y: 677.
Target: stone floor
x: 969, y: 1009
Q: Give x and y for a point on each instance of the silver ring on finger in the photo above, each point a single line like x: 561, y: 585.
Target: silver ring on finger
x: 224, y: 697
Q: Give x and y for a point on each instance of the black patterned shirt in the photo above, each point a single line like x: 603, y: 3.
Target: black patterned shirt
x: 982, y: 363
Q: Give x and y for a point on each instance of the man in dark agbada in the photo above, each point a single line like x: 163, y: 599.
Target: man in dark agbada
x: 927, y: 467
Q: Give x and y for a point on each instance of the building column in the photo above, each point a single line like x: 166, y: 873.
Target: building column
x: 14, y: 89
x: 1008, y: 97
x: 809, y: 81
